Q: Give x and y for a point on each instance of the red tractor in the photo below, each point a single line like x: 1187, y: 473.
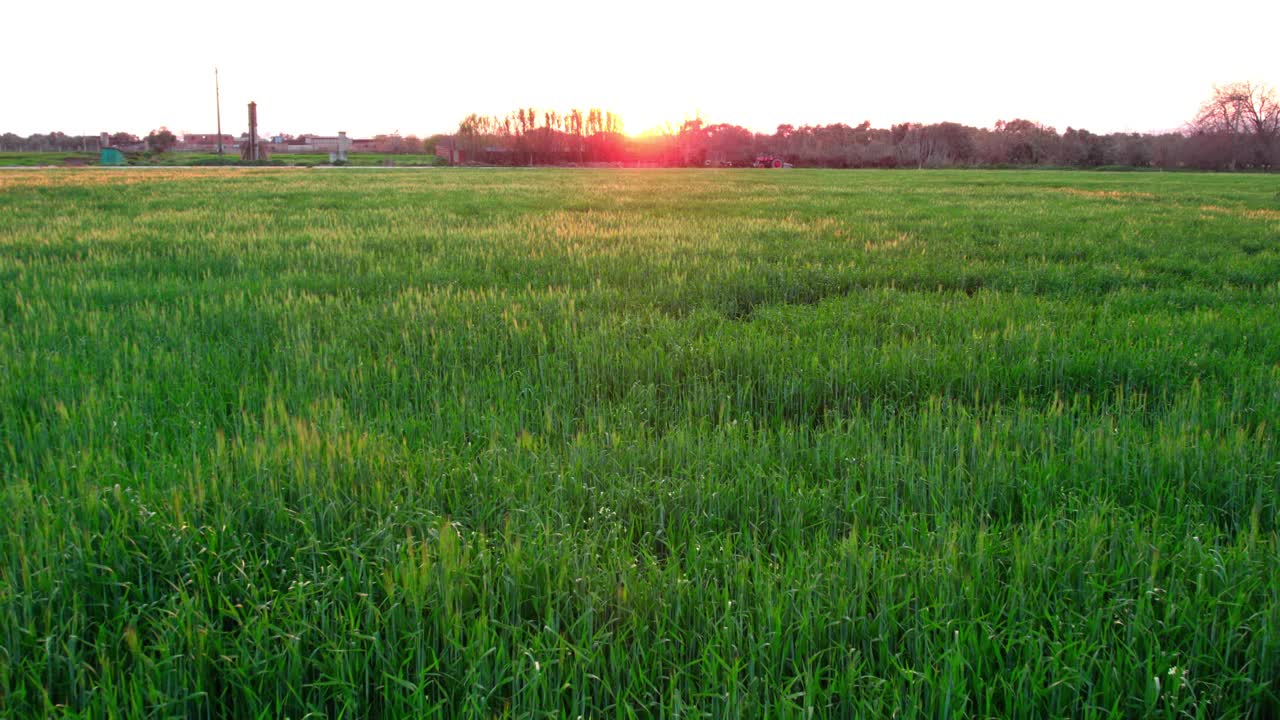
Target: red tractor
x: 769, y: 161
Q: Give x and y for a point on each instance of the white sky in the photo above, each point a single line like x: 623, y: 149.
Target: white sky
x: 379, y: 66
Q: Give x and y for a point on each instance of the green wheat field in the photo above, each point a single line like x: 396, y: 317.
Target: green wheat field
x: 639, y: 444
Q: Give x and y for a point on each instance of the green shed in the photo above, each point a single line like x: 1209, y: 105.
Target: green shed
x: 111, y: 156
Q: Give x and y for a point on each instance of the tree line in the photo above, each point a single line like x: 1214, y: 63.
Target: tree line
x: 529, y: 137
x: 57, y: 141
x: 1236, y: 128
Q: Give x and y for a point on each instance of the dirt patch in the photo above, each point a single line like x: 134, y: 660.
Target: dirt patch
x: 889, y: 243
x: 1250, y: 213
x: 86, y: 177
x: 1108, y: 194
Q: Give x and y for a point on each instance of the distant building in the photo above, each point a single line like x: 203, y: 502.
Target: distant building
x: 392, y: 143
x: 198, y: 142
x: 307, y: 143
x: 366, y: 146
x: 449, y: 151
x: 133, y: 145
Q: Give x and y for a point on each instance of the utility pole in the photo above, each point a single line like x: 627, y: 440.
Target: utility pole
x: 217, y: 101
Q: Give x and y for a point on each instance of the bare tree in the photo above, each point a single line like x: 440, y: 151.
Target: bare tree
x: 1247, y: 117
x: 576, y: 129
